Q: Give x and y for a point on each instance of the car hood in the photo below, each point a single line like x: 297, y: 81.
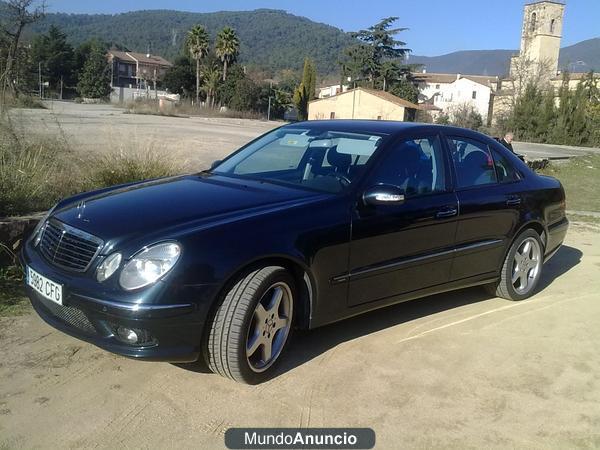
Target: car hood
x: 193, y: 200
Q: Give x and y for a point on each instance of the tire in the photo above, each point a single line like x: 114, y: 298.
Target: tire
x: 515, y: 284
x: 258, y: 309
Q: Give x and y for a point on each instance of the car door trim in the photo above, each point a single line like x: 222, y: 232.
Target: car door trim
x: 393, y: 265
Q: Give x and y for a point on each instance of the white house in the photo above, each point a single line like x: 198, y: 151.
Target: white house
x: 449, y: 91
x: 330, y: 91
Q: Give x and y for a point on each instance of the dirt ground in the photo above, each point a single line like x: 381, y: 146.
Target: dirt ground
x: 458, y: 370
x: 195, y: 142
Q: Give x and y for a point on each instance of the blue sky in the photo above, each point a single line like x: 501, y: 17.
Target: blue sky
x: 435, y: 26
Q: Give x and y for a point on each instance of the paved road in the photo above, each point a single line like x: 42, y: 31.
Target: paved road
x: 541, y: 151
x: 458, y: 370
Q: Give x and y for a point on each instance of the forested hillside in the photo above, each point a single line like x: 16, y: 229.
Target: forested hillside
x: 269, y: 38
x: 275, y: 40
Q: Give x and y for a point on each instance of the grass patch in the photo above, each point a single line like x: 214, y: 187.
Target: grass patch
x: 581, y: 179
x: 13, y: 301
x: 151, y: 108
x: 148, y: 107
x: 120, y: 167
x: 34, y: 173
x: 25, y: 101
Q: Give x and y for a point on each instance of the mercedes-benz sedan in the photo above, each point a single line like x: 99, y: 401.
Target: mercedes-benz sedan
x: 308, y: 224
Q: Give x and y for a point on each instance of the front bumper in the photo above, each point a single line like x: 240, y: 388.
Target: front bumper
x: 168, y: 332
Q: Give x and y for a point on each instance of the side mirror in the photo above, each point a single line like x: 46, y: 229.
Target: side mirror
x: 383, y: 194
x: 215, y: 164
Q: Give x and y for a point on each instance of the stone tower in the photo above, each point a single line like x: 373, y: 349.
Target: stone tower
x: 540, y: 38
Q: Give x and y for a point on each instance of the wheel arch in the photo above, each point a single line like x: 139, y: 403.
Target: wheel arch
x: 532, y: 224
x: 305, y: 283
x: 535, y: 225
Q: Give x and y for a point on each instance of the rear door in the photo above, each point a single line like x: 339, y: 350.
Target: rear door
x: 400, y: 248
x: 489, y: 195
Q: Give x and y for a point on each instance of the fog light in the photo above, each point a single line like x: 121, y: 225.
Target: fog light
x: 127, y: 335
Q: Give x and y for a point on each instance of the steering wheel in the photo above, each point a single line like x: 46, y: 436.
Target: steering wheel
x: 343, y: 179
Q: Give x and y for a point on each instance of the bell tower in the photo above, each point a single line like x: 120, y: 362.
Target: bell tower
x: 541, y: 36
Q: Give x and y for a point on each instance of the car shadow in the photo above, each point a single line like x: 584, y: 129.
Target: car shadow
x: 565, y: 259
x: 309, y: 344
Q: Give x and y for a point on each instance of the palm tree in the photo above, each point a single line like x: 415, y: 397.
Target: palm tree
x: 227, y: 47
x: 211, y: 73
x: 198, y: 46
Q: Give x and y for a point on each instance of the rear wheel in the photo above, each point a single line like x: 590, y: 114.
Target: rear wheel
x: 522, y: 268
x: 252, y: 326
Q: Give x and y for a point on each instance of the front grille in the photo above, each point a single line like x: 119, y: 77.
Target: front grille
x: 70, y: 315
x: 68, y: 247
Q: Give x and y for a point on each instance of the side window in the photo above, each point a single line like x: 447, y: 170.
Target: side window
x: 473, y: 162
x: 416, y: 166
x: 505, y: 171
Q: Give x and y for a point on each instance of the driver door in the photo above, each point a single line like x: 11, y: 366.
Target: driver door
x: 403, y: 247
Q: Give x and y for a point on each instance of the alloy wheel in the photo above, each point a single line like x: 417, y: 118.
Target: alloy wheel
x: 270, y: 327
x: 526, y: 265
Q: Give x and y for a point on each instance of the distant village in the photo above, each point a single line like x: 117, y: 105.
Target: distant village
x: 439, y: 94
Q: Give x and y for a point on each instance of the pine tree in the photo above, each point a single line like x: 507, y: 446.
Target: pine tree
x: 94, y: 79
x: 306, y: 90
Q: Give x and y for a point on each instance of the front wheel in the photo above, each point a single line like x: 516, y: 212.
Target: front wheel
x: 252, y: 326
x: 522, y: 268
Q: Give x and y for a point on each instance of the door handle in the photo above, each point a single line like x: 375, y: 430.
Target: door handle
x: 513, y: 200
x: 447, y: 212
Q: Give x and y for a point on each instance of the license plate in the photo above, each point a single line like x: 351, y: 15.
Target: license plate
x: 45, y: 287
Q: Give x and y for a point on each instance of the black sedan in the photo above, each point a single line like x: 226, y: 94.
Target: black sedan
x: 308, y: 224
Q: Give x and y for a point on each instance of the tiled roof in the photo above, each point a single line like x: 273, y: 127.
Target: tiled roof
x: 381, y: 94
x: 390, y: 98
x: 452, y: 77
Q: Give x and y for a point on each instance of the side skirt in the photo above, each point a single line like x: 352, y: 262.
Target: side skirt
x: 447, y: 287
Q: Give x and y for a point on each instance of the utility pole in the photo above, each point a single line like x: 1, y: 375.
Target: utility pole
x: 269, y: 108
x: 40, y: 80
x: 61, y: 87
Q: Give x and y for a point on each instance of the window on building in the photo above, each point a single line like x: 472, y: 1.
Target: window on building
x: 332, y: 115
x: 474, y: 95
x: 473, y: 162
x: 533, y: 21
x: 552, y: 25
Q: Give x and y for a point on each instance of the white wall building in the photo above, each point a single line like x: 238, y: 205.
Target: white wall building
x: 330, y: 91
x: 449, y: 91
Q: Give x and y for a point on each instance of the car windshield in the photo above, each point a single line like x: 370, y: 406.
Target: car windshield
x: 324, y: 160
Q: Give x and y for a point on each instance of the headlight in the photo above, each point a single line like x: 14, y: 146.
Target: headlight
x: 39, y: 228
x: 149, y: 265
x: 108, y: 267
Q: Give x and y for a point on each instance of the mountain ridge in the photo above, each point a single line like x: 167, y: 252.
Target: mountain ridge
x: 273, y: 39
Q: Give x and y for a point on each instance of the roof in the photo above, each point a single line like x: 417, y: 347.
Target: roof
x: 452, y: 77
x: 381, y: 94
x: 389, y: 127
x: 142, y: 58
x: 575, y: 76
